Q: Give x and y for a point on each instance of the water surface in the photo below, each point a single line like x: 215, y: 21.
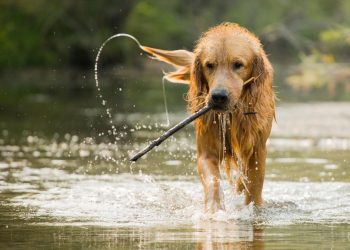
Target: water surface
x: 76, y: 189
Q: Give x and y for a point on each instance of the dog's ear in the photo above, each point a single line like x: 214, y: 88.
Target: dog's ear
x: 198, y: 77
x: 260, y: 68
x: 180, y: 59
x: 198, y: 86
x: 261, y: 73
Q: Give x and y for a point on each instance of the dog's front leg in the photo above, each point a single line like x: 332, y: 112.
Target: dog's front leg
x: 209, y: 172
x: 255, y: 174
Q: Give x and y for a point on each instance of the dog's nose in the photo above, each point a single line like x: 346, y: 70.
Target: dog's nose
x: 219, y: 96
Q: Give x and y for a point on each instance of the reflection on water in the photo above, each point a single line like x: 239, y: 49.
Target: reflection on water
x: 78, y: 190
x: 211, y: 235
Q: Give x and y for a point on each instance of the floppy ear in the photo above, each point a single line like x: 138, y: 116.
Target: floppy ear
x: 198, y: 86
x: 261, y: 68
x: 261, y: 73
x: 198, y: 80
x: 180, y: 59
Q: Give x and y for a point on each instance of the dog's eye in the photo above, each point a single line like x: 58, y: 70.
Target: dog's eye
x: 237, y: 65
x: 209, y: 66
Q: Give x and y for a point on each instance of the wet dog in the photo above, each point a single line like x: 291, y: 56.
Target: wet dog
x: 230, y: 70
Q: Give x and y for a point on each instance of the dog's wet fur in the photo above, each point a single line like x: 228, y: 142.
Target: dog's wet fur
x: 230, y: 70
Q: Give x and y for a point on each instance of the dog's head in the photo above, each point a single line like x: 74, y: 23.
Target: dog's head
x: 227, y: 61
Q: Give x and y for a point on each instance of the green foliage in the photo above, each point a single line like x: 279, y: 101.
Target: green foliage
x: 157, y: 24
x: 318, y: 73
x: 65, y: 32
x: 56, y: 32
x: 20, y: 41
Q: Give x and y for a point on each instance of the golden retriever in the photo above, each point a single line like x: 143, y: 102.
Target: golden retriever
x: 230, y: 70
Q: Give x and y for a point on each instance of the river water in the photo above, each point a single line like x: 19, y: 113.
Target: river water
x: 71, y: 189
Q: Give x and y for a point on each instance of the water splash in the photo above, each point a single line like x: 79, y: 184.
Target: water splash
x: 222, y: 123
x: 103, y: 101
x: 114, y: 131
x: 131, y: 200
x: 165, y: 103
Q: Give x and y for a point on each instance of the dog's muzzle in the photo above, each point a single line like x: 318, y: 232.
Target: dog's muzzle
x: 219, y: 98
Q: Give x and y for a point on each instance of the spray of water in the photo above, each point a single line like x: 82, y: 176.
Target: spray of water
x: 241, y: 171
x: 103, y: 101
x: 165, y: 103
x: 222, y: 122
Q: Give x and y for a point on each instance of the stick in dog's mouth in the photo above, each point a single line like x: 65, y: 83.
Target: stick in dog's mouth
x: 170, y: 132
x: 174, y: 129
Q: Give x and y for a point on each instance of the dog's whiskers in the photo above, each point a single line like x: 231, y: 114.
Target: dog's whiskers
x: 188, y: 99
x: 199, y: 105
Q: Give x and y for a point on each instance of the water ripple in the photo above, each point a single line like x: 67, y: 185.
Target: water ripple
x: 141, y: 200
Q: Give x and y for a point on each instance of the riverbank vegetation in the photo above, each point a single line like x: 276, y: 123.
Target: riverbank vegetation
x: 308, y: 41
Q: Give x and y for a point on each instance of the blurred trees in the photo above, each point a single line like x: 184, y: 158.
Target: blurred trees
x: 41, y: 33
x: 65, y: 33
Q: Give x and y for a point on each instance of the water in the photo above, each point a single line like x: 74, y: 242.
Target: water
x: 66, y: 189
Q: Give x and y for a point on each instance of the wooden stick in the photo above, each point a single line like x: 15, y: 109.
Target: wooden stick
x: 170, y: 132
x: 173, y: 130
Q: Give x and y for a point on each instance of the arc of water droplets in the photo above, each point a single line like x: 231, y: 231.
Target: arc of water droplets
x: 104, y: 103
x: 165, y: 103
